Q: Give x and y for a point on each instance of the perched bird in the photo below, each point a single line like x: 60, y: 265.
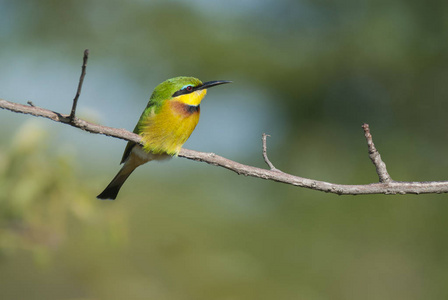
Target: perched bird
x: 165, y: 125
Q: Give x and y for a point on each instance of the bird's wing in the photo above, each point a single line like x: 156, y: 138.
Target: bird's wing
x: 130, y: 145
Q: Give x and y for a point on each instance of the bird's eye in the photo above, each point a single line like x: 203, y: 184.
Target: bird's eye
x: 189, y: 88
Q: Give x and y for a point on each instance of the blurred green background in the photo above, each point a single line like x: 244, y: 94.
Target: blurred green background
x: 308, y: 73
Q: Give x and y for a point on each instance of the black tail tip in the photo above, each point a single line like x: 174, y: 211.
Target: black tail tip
x: 108, y: 194
x: 101, y: 197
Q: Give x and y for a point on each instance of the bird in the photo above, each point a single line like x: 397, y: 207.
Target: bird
x: 167, y: 122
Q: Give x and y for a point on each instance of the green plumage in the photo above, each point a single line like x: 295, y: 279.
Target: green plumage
x: 161, y: 93
x: 169, y: 118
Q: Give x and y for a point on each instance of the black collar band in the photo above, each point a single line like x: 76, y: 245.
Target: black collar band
x: 191, y: 109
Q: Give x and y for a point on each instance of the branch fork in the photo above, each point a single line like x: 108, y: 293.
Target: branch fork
x: 375, y: 157
x: 81, y: 81
x: 265, y: 153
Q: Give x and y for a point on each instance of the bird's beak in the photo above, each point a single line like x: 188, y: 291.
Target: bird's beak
x: 209, y: 84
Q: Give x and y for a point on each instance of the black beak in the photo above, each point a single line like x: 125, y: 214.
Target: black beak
x: 209, y: 84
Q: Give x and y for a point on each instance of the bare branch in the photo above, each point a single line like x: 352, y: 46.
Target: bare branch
x: 375, y: 157
x: 65, y: 119
x: 391, y: 187
x: 265, y: 153
x: 81, y: 80
x: 385, y: 186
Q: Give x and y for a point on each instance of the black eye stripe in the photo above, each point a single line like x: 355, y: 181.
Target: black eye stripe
x: 187, y: 90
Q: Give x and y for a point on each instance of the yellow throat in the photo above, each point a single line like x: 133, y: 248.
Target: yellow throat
x: 167, y: 130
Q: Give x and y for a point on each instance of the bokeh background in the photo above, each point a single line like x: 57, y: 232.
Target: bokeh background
x: 308, y: 73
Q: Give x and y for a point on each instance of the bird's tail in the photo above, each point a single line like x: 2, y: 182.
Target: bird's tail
x: 111, y: 191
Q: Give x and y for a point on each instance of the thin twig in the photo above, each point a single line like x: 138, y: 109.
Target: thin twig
x: 375, y: 157
x: 392, y: 187
x: 81, y: 80
x: 265, y: 153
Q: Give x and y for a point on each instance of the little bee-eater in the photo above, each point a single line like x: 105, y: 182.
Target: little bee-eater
x: 165, y: 125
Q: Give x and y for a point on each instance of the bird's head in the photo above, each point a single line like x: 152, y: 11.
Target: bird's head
x: 188, y: 90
